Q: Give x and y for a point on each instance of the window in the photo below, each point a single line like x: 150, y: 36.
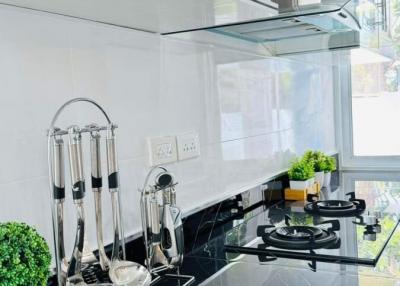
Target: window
x: 375, y: 104
x: 370, y: 109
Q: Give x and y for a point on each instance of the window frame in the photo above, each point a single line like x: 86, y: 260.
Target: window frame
x: 344, y: 124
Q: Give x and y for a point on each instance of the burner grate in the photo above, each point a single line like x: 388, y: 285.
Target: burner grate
x: 335, y: 208
x: 299, y: 237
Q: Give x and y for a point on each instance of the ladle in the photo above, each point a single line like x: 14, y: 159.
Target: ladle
x: 121, y: 272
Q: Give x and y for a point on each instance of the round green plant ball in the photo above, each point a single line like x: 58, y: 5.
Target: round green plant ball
x: 24, y: 256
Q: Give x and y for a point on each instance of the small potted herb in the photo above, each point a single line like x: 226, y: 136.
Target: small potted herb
x: 329, y: 167
x: 24, y: 256
x: 300, y: 174
x: 318, y: 160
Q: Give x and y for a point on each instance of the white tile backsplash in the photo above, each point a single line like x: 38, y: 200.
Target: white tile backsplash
x: 253, y: 114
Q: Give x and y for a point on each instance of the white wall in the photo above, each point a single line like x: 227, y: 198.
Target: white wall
x: 252, y: 113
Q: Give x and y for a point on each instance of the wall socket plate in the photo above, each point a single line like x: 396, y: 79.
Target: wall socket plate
x: 188, y: 146
x: 162, y: 150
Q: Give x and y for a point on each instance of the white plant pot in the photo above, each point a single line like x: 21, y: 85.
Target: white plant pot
x: 319, y: 178
x: 327, y: 179
x: 298, y: 185
x: 311, y: 182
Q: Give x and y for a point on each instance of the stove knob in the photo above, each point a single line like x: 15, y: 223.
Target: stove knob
x: 370, y: 220
x: 369, y: 236
x: 378, y: 228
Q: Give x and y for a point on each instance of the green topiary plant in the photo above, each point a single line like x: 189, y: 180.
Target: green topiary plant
x: 301, y: 170
x: 24, y: 256
x: 330, y: 164
x: 317, y: 159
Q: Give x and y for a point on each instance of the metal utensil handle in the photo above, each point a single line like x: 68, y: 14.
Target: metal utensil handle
x: 155, y: 221
x: 76, y: 163
x: 58, y: 184
x: 97, y: 184
x: 97, y: 180
x: 112, y: 163
x: 113, y: 185
x: 78, y: 192
x: 58, y: 170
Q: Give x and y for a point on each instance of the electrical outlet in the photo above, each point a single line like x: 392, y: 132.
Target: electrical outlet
x: 162, y: 150
x: 188, y: 146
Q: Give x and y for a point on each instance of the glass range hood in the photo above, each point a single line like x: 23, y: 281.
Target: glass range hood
x: 297, y: 26
x: 327, y: 24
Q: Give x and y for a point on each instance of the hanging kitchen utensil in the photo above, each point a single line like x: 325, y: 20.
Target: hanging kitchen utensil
x: 171, y: 221
x: 97, y: 184
x: 172, y: 228
x: 58, y: 182
x: 121, y: 272
x: 74, y: 274
x: 157, y: 258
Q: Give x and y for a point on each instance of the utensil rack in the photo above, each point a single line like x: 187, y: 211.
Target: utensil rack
x: 160, y: 272
x: 90, y: 272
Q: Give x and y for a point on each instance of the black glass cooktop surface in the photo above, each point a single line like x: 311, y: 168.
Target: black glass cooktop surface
x: 357, y: 239
x: 289, y: 232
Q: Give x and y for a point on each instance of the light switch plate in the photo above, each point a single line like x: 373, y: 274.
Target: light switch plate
x: 188, y: 146
x: 162, y: 150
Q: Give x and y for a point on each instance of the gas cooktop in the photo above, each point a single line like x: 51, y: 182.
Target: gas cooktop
x: 349, y: 235
x: 334, y: 228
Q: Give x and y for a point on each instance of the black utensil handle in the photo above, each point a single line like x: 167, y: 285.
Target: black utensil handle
x: 113, y: 180
x: 58, y: 193
x: 78, y: 190
x: 97, y: 182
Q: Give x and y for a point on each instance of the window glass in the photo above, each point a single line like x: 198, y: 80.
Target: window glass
x: 375, y: 104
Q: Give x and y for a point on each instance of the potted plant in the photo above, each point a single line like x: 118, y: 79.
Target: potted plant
x: 329, y: 167
x: 24, y: 256
x: 318, y: 160
x: 300, y: 174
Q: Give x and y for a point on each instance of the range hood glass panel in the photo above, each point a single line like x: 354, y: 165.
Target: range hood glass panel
x: 284, y: 28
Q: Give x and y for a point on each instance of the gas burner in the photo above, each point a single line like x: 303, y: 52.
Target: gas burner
x: 335, y: 208
x: 298, y: 232
x: 298, y: 237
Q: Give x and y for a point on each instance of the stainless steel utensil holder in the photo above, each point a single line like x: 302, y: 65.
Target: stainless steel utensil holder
x: 57, y: 186
x: 159, y: 191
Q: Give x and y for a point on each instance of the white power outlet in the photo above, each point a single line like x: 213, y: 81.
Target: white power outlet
x: 162, y: 150
x: 188, y: 146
